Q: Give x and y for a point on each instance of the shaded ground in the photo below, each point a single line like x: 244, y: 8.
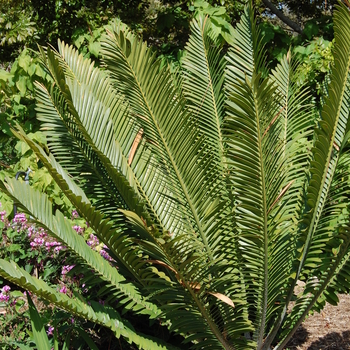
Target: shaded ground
x: 329, y: 330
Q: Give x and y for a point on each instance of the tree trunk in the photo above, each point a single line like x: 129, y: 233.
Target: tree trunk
x: 282, y: 17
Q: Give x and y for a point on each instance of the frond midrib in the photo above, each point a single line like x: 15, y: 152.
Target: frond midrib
x: 217, y: 119
x: 265, y: 232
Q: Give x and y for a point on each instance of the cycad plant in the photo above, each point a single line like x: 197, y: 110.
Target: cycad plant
x: 216, y: 188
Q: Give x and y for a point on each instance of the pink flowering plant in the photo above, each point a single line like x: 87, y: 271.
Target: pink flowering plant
x: 47, y: 258
x: 27, y: 243
x: 14, y: 318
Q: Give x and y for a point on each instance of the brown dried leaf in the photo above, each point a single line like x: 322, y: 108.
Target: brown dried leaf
x: 159, y: 262
x: 223, y: 298
x: 135, y: 145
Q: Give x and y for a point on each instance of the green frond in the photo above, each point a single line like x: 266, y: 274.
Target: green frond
x: 59, y: 227
x: 327, y: 218
x: 247, y: 45
x: 61, y: 177
x: 203, y: 69
x: 94, y: 163
x: 329, y: 135
x: 179, y: 152
x: 99, y: 153
x: 252, y: 157
x: 62, y: 120
x: 329, y: 250
x: 81, y: 71
x: 318, y: 290
x: 124, y: 139
x: 189, y: 289
x: 293, y: 157
x: 208, y: 187
x: 96, y: 313
x: 176, y: 146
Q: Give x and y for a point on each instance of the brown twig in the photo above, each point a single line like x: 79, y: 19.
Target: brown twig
x: 4, y: 165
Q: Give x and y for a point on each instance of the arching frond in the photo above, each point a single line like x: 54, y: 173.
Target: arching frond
x: 105, y: 316
x: 327, y: 152
x: 252, y: 159
x: 203, y: 69
x: 295, y: 117
x: 33, y: 202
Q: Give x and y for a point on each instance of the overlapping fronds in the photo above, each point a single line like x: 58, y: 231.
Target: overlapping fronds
x: 330, y: 134
x: 203, y: 68
x: 329, y: 251
x: 212, y: 195
x: 193, y: 292
x: 295, y: 117
x: 33, y: 202
x: 105, y: 316
x: 179, y: 150
x: 252, y: 158
x: 327, y: 219
x: 153, y: 99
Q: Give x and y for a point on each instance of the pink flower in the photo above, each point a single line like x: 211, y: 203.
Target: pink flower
x: 75, y: 214
x: 105, y: 255
x: 78, y: 229
x: 50, y: 330
x: 93, y: 242
x: 3, y: 213
x: 66, y: 269
x: 4, y: 297
x: 20, y: 218
x: 6, y: 289
x: 57, y: 249
x: 63, y: 290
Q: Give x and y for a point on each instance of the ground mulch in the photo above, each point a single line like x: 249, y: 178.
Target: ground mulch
x: 328, y: 330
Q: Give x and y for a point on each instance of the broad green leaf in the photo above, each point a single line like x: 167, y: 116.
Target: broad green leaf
x: 22, y: 85
x: 39, y: 333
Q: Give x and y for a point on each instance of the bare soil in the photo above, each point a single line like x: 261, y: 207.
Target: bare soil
x: 328, y: 330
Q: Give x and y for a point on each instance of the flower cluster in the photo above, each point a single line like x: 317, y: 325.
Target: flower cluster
x: 19, y: 222
x: 78, y: 229
x: 63, y: 289
x: 104, y: 254
x: 66, y: 269
x: 5, y: 294
x: 94, y: 242
x: 40, y: 239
